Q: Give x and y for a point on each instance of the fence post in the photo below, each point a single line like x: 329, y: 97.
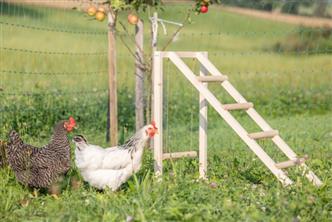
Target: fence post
x: 203, y: 106
x: 154, y: 33
x: 112, y: 118
x: 158, y: 111
x: 139, y: 63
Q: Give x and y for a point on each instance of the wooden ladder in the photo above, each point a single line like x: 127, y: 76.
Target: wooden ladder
x: 200, y: 83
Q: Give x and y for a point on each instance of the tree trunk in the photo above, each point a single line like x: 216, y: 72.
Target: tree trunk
x: 321, y: 8
x: 154, y: 32
x: 112, y: 132
x: 139, y: 62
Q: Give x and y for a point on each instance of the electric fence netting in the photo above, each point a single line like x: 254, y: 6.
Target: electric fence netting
x: 53, y: 63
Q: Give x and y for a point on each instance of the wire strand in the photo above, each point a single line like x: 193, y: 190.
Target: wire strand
x: 32, y: 94
x: 52, y: 73
x: 53, y: 52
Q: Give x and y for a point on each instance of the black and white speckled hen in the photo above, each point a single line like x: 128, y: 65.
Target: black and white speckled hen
x: 40, y: 167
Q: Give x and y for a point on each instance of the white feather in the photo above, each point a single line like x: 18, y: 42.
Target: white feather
x: 112, y: 166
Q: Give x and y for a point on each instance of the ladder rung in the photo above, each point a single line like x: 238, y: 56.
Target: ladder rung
x: 212, y: 78
x: 177, y: 155
x: 290, y: 163
x: 237, y: 106
x: 264, y: 134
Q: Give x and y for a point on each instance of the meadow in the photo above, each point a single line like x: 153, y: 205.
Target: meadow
x: 53, y: 63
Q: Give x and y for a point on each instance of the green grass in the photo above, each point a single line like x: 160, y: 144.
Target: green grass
x: 246, y: 190
x: 292, y: 91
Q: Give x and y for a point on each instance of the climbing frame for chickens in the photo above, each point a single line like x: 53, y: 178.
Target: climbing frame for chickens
x: 209, y: 73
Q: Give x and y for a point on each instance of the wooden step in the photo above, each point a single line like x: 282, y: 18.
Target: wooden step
x: 237, y: 106
x: 264, y: 134
x: 212, y: 78
x: 290, y: 163
x: 177, y: 155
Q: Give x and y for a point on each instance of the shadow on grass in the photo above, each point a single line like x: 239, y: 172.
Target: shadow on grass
x: 11, y: 9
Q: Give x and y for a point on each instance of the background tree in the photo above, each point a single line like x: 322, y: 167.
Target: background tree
x: 142, y: 60
x: 286, y: 6
x: 266, y: 5
x: 321, y: 8
x: 111, y: 8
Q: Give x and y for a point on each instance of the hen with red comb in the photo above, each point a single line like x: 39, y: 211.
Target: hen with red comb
x: 111, y: 167
x: 40, y: 167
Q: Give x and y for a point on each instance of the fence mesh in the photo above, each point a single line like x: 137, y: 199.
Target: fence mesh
x: 53, y: 63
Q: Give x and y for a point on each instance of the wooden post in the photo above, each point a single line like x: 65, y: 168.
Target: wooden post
x: 158, y: 112
x: 154, y: 34
x: 154, y: 31
x: 112, y: 131
x: 203, y: 128
x: 149, y: 107
x: 139, y: 61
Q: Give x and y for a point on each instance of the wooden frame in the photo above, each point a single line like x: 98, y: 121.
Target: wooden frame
x: 158, y: 111
x: 203, y: 123
x: 206, y: 96
x: 263, y: 135
x: 177, y: 155
x: 290, y: 163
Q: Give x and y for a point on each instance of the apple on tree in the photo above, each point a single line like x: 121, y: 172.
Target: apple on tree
x: 100, y: 16
x: 202, y: 6
x: 91, y: 10
x: 101, y: 9
x: 204, y: 9
x: 133, y: 19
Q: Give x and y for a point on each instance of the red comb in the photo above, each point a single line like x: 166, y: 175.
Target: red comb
x: 72, y: 120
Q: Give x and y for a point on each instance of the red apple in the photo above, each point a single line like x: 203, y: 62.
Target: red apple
x: 204, y: 9
x: 133, y: 19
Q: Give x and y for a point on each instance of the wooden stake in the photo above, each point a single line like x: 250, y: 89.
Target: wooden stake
x: 203, y: 121
x: 112, y: 82
x: 158, y: 112
x: 154, y: 37
x: 154, y: 31
x: 150, y: 79
x: 139, y: 91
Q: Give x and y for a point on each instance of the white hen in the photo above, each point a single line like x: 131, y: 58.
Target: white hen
x: 113, y: 166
